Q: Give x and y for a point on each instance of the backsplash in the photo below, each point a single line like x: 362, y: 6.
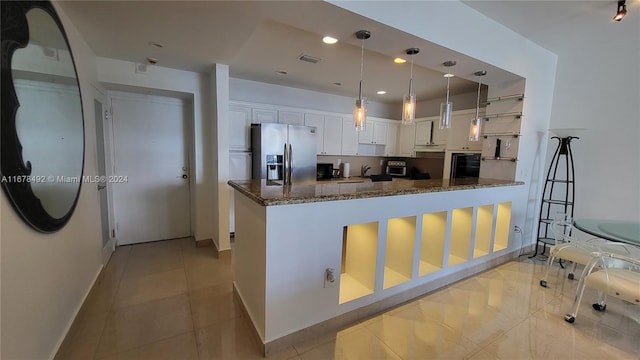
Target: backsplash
x: 432, y: 165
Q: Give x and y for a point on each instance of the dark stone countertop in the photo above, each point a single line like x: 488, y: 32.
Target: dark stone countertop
x: 273, y: 193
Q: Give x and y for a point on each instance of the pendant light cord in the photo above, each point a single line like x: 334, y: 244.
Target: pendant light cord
x: 361, y: 69
x: 411, y: 76
x: 448, y: 78
x: 478, y: 100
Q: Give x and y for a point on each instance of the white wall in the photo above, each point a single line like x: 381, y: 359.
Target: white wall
x: 431, y: 107
x: 264, y: 93
x: 121, y: 74
x: 46, y: 277
x: 220, y: 109
x: 598, y: 88
x: 468, y: 33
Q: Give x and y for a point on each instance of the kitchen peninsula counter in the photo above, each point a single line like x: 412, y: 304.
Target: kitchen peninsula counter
x: 271, y: 193
x: 311, y: 258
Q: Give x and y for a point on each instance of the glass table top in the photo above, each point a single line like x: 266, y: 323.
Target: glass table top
x: 622, y: 231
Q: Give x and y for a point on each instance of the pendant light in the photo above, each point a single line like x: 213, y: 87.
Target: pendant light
x: 476, y: 122
x: 621, y: 11
x: 445, y: 107
x: 360, y: 111
x: 409, y: 101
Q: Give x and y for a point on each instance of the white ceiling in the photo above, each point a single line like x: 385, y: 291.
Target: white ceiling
x: 257, y: 39
x: 545, y: 21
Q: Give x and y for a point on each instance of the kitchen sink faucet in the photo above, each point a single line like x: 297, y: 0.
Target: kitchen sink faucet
x: 364, y: 169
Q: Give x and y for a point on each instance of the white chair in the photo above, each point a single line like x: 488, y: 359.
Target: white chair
x: 568, y: 247
x: 611, y: 274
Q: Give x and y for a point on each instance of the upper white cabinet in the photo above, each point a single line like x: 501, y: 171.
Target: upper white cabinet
x: 259, y: 116
x: 458, y: 138
x: 349, y: 137
x: 291, y: 117
x: 316, y: 121
x: 423, y: 133
x: 380, y: 133
x: 375, y: 132
x: 406, y: 140
x: 239, y: 128
x: 390, y: 148
x: 329, y: 132
x: 439, y: 136
x: 332, y: 135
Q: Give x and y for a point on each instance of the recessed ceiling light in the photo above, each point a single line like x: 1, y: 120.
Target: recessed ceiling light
x: 399, y: 60
x: 156, y: 44
x: 381, y: 92
x: 281, y: 72
x: 329, y: 40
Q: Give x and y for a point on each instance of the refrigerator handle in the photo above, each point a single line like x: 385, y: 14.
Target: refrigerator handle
x: 285, y: 163
x: 290, y: 162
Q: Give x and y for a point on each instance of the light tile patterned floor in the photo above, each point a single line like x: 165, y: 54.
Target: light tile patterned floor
x: 171, y: 300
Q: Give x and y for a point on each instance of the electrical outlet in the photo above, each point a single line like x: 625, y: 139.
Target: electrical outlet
x: 329, y: 277
x: 381, y: 162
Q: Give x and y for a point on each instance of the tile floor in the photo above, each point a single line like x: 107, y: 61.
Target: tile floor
x: 171, y: 300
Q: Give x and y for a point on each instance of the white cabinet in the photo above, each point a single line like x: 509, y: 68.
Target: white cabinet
x: 332, y: 135
x: 406, y: 140
x: 439, y: 136
x: 423, y: 133
x: 458, y: 138
x: 375, y: 132
x: 366, y: 135
x: 392, y: 140
x: 316, y: 121
x: 349, y: 137
x: 239, y: 169
x: 291, y: 117
x: 239, y: 127
x: 259, y: 116
x: 329, y: 132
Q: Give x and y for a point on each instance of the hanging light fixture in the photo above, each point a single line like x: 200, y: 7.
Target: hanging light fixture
x: 360, y: 111
x: 409, y: 101
x: 621, y: 12
x: 445, y: 107
x: 476, y: 122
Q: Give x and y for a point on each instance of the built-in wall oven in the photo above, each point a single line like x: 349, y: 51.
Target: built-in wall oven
x: 465, y: 165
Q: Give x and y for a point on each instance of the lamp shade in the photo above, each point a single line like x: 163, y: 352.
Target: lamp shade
x: 360, y: 110
x: 474, y: 129
x: 409, y: 109
x: 360, y: 114
x: 445, y: 115
x: 409, y: 100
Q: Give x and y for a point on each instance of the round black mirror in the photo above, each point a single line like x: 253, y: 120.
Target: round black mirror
x: 42, y: 126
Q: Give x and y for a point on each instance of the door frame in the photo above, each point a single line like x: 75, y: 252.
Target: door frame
x: 107, y: 140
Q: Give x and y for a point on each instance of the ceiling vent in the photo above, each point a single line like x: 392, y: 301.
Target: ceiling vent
x: 309, y: 58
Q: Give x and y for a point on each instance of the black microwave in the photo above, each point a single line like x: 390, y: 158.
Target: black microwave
x: 324, y: 171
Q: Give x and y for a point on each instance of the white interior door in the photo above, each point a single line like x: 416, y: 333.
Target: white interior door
x: 151, y: 188
x: 102, y: 139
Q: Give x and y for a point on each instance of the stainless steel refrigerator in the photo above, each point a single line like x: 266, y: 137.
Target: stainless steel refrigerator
x: 284, y: 154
